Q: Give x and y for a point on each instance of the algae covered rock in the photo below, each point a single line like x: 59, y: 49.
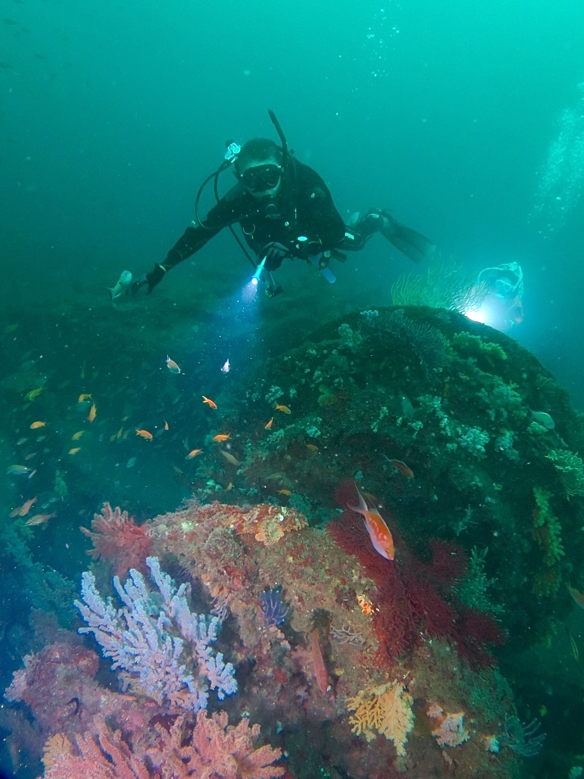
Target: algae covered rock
x: 454, y: 430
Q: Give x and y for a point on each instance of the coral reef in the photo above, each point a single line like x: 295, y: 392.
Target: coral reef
x: 458, y: 403
x: 324, y: 670
x: 164, y: 650
x: 353, y: 664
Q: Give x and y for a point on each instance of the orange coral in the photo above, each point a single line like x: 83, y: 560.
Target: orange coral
x: 386, y: 709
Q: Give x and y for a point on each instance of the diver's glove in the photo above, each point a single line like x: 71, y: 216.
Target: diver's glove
x: 274, y: 253
x: 152, y: 279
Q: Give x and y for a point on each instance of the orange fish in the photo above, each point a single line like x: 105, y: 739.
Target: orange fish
x: 193, y: 454
x: 283, y: 409
x: 312, y: 447
x: 576, y: 595
x: 23, y: 510
x: 75, y: 450
x: 209, y: 402
x: 284, y: 492
x: 144, y: 434
x: 166, y: 427
x: 172, y: 366
x: 221, y: 437
x: 39, y: 519
x: 36, y: 425
x: 92, y: 412
x: 84, y: 396
x: 77, y: 436
x: 269, y: 424
x: 379, y: 533
x: 401, y: 467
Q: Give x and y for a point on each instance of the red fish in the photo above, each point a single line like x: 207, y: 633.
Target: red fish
x: 318, y: 662
x: 379, y: 533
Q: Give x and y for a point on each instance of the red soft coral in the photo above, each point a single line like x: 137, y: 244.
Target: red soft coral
x: 413, y: 596
x: 118, y: 539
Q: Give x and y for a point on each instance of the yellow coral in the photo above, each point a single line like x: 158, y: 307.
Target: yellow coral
x: 386, y: 709
x: 57, y: 745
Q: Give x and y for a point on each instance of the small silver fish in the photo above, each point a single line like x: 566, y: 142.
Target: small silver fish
x: 172, y: 366
x: 17, y: 470
x: 122, y: 286
x: 229, y: 457
x: 543, y: 419
x: 226, y: 366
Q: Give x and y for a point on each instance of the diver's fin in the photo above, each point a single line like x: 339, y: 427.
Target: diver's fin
x: 409, y: 242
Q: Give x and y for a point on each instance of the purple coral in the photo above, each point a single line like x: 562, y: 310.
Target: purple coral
x: 273, y: 608
x: 161, y: 646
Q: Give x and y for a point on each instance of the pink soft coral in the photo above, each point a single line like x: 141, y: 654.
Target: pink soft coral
x: 213, y: 750
x: 108, y: 757
x: 216, y: 751
x: 118, y: 539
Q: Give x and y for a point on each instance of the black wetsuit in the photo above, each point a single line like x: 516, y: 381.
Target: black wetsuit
x: 302, y: 208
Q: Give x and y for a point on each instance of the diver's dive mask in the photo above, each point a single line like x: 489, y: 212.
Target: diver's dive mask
x: 261, y: 178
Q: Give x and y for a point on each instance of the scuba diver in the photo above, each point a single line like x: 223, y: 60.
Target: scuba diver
x: 284, y: 210
x: 501, y: 292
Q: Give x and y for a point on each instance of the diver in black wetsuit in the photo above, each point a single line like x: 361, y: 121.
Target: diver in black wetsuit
x: 285, y: 210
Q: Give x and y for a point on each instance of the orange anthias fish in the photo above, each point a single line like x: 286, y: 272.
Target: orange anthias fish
x: 379, y: 533
x: 401, y: 467
x: 83, y: 397
x: 36, y: 425
x: 283, y: 409
x: 221, y: 437
x: 269, y: 424
x: 144, y: 434
x: 193, y: 453
x: 166, y: 425
x: 92, y: 412
x: 209, y: 402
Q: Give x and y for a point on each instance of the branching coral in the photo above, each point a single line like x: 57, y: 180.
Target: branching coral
x: 385, y: 710
x: 117, y: 538
x: 213, y: 750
